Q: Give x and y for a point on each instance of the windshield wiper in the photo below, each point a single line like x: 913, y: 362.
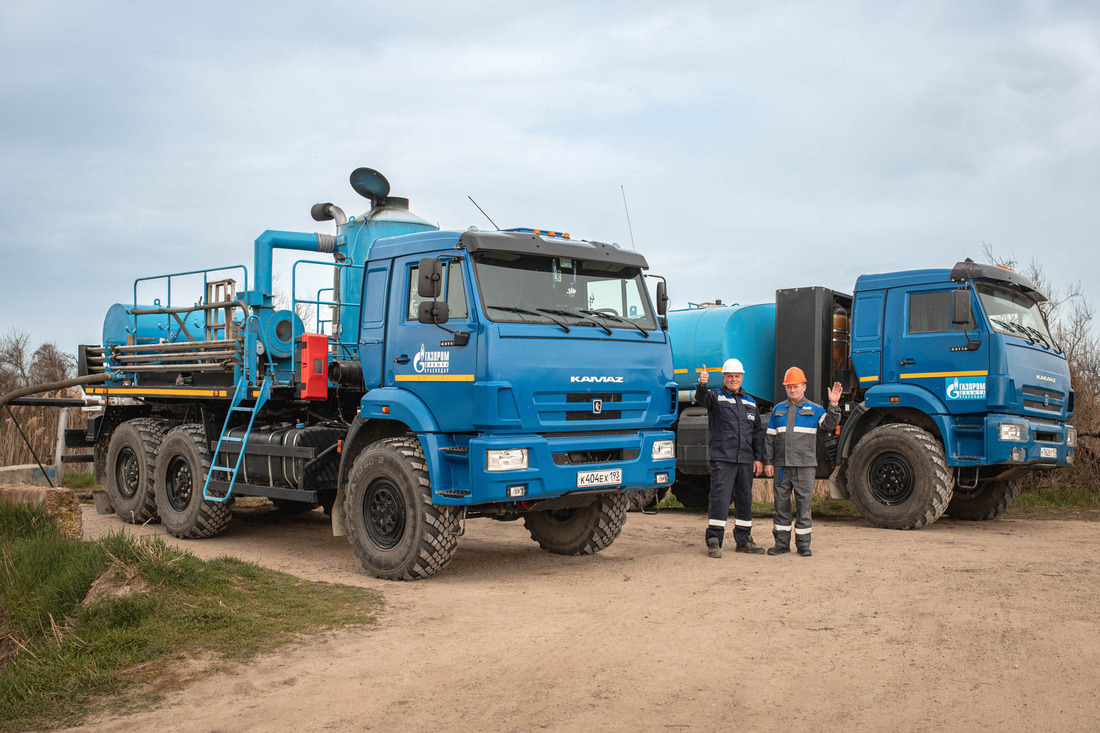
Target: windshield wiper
x: 1039, y: 335
x: 572, y: 314
x: 620, y: 319
x: 1014, y: 327
x: 536, y: 314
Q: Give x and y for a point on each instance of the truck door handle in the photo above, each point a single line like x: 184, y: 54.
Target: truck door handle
x: 403, y: 359
x: 907, y: 362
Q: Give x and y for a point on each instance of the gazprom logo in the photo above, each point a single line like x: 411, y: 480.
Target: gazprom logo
x: 966, y: 388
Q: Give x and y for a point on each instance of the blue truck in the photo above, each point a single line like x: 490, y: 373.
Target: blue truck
x: 517, y: 374
x: 954, y: 389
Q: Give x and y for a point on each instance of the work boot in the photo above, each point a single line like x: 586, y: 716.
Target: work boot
x: 778, y: 550
x: 750, y: 547
x: 804, y: 552
x: 713, y: 548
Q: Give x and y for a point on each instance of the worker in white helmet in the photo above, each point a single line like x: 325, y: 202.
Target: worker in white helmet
x: 736, y: 443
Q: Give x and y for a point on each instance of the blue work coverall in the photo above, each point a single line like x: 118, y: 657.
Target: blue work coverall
x: 736, y: 440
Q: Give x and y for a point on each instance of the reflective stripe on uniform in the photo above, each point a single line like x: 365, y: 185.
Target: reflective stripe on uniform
x: 782, y: 527
x: 742, y: 522
x: 803, y: 530
x: 797, y: 429
x: 717, y: 523
x: 772, y: 431
x: 826, y: 414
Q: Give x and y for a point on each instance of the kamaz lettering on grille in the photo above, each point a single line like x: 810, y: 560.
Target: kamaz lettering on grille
x: 609, y: 380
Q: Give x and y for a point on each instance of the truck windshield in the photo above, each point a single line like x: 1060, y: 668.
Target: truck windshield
x: 1013, y: 313
x: 521, y: 288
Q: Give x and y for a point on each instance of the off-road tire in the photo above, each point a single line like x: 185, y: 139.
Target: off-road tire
x: 291, y: 507
x: 395, y: 530
x: 990, y: 500
x: 898, y: 477
x: 131, y: 463
x: 579, y: 531
x: 691, y: 490
x: 182, y: 465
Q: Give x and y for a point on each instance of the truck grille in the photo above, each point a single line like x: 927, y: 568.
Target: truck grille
x: 1045, y: 400
x: 607, y: 399
x: 579, y: 457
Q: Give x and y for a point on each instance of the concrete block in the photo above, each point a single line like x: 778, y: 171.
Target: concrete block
x: 102, y: 503
x: 61, y: 503
x: 28, y: 474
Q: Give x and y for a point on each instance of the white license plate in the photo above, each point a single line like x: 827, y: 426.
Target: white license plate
x: 1048, y: 452
x: 610, y: 477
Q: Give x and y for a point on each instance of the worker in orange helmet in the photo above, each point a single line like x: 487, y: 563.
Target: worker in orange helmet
x: 790, y: 444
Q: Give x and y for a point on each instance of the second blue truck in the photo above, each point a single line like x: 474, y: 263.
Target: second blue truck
x: 954, y: 387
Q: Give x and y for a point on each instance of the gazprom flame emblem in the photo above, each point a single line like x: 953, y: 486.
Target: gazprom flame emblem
x: 966, y: 388
x: 431, y: 362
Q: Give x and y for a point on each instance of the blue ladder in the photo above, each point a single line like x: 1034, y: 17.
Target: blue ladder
x: 235, y: 406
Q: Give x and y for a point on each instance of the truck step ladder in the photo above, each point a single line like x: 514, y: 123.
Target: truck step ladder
x: 235, y: 406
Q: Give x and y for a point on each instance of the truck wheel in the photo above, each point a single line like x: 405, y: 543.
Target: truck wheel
x: 396, y: 531
x: 182, y: 465
x: 131, y: 463
x: 692, y: 491
x: 579, y: 531
x: 990, y: 500
x: 898, y: 477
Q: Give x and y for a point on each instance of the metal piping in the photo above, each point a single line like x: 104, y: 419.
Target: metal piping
x: 271, y: 240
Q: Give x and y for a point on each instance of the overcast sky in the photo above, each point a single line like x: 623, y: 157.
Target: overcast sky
x: 760, y: 145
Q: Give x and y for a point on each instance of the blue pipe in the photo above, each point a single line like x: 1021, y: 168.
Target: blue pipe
x: 271, y: 240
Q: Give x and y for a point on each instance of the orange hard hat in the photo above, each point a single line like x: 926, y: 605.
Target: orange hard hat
x: 794, y: 375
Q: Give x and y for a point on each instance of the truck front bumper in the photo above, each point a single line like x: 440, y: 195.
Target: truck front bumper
x: 560, y: 465
x: 1025, y: 442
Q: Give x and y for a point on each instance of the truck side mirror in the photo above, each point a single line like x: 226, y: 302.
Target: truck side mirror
x: 662, y: 298
x: 433, y: 311
x: 429, y: 279
x: 960, y: 307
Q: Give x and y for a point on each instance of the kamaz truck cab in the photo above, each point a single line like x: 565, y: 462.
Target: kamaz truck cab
x: 964, y: 392
x: 534, y: 374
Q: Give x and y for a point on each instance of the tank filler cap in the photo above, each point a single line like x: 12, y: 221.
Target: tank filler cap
x: 370, y: 184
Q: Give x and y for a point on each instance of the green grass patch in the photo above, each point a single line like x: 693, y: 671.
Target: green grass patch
x: 1061, y: 502
x: 78, y: 481
x: 117, y: 621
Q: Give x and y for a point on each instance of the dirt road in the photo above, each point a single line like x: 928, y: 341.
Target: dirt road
x: 955, y: 626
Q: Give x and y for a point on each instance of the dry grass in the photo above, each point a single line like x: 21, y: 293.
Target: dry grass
x: 39, y: 424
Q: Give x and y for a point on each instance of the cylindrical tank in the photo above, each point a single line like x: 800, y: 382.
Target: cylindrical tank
x: 390, y: 219
x: 120, y: 324
x: 711, y: 335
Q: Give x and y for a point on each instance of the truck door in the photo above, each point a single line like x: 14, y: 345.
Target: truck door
x: 933, y: 353
x: 426, y: 359
x: 372, y: 331
x: 867, y: 319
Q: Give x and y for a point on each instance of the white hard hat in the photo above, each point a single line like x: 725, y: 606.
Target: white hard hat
x: 733, y: 366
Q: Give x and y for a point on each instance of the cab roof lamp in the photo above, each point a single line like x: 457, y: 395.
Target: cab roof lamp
x: 551, y: 233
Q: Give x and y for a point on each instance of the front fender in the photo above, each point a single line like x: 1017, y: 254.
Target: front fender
x: 392, y: 403
x: 908, y: 395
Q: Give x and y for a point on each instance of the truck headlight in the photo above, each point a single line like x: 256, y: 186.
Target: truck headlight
x: 664, y: 449
x: 1071, y: 437
x: 513, y: 459
x: 1014, y: 431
